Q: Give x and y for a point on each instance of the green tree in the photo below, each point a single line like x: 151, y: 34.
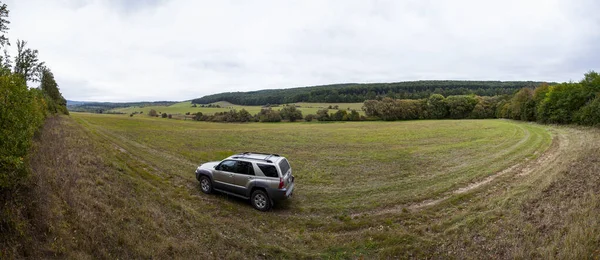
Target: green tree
x: 56, y: 102
x: 244, y: 116
x: 22, y: 112
x: 436, y: 107
x: 323, y: 115
x: 198, y: 116
x: 590, y: 113
x: 340, y: 115
x: 561, y: 102
x: 152, y: 112
x: 309, y: 117
x: 460, y: 106
x: 291, y: 113
x: 27, y: 63
x: 522, y: 105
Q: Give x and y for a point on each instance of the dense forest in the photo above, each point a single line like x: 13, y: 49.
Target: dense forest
x: 353, y: 92
x: 102, y: 107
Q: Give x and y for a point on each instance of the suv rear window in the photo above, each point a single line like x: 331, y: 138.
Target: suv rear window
x: 268, y: 170
x: 284, y: 166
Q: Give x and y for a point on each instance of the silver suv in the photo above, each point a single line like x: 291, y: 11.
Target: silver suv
x: 262, y: 178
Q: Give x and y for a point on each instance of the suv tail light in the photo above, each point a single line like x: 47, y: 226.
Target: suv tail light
x: 280, y: 183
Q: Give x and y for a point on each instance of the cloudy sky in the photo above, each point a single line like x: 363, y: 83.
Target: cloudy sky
x: 126, y: 50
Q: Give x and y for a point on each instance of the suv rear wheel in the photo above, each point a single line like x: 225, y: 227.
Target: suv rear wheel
x: 260, y: 200
x: 205, y: 185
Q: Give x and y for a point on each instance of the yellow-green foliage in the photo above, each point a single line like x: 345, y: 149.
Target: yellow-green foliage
x: 22, y: 111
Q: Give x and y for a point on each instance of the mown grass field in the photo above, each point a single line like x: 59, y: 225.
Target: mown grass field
x: 186, y: 106
x: 447, y: 189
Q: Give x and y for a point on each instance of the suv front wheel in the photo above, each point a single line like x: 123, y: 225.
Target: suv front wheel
x: 205, y: 185
x: 260, y: 200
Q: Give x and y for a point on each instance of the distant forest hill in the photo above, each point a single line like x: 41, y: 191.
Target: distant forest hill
x: 355, y: 92
x: 102, y: 107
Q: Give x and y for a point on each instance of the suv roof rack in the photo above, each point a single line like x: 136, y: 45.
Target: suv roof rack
x: 246, y: 155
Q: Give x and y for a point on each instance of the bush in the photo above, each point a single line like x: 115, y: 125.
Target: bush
x: 309, y: 117
x: 291, y: 113
x: 522, y: 105
x: 269, y: 115
x: 164, y: 115
x: 198, y: 116
x: 22, y: 113
x: 354, y: 115
x: 152, y: 112
x: 170, y: 116
x: 590, y: 113
x: 436, y: 107
x: 561, y: 102
x: 244, y: 116
x: 460, y: 106
x: 323, y: 115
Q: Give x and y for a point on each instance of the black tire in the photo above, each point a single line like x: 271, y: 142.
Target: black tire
x: 260, y: 200
x: 206, y: 185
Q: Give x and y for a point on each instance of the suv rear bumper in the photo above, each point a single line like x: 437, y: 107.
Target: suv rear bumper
x: 281, y: 194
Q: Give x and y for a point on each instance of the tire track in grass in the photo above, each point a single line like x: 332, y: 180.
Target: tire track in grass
x: 559, y: 144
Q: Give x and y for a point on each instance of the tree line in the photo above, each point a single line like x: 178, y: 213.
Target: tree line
x: 22, y: 109
x: 352, y: 93
x: 564, y: 103
x: 104, y: 107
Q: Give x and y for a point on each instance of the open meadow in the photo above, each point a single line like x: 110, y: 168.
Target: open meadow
x: 184, y: 107
x: 125, y: 187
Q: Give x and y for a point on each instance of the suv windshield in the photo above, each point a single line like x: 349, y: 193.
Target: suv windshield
x: 284, y: 166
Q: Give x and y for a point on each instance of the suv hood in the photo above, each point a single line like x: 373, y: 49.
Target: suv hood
x: 209, y: 165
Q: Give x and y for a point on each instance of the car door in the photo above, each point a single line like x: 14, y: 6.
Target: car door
x: 224, y: 175
x: 244, y: 176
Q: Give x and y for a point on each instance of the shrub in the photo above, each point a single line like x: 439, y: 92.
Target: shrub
x: 323, y: 115
x: 460, y: 106
x: 244, y: 116
x: 436, y: 107
x: 370, y: 107
x: 340, y: 115
x: 152, y: 112
x: 291, y: 113
x: 486, y: 107
x: 269, y: 115
x: 354, y: 115
x: 561, y: 102
x: 170, y: 116
x: 522, y: 105
x: 164, y: 115
x: 22, y: 113
x: 198, y: 116
x: 590, y: 113
x: 309, y: 117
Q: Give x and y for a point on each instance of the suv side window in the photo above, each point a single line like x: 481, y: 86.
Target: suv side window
x: 268, y: 170
x: 244, y: 168
x: 228, y: 166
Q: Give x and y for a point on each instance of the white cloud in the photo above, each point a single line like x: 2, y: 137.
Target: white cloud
x: 182, y: 49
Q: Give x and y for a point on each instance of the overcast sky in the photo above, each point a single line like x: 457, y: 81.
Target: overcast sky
x: 126, y: 50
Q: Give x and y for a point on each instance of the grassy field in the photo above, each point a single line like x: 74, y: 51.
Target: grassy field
x: 124, y: 187
x: 186, y: 106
